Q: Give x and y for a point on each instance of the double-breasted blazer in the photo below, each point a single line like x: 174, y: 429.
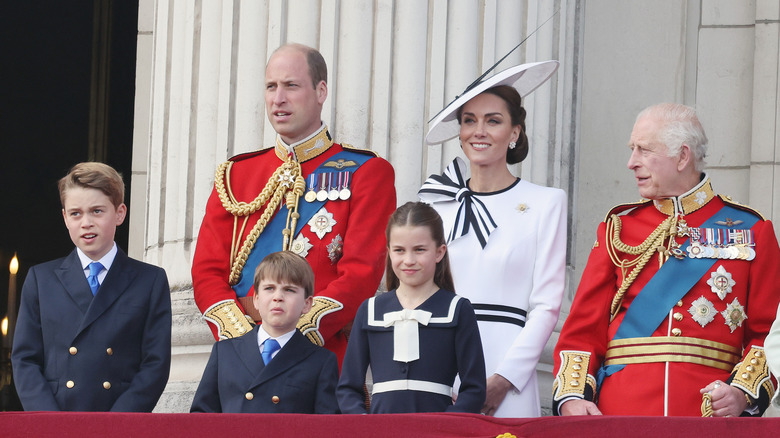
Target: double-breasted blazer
x: 76, y: 352
x: 301, y: 378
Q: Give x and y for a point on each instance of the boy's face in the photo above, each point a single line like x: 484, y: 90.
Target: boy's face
x: 91, y: 220
x: 280, y: 305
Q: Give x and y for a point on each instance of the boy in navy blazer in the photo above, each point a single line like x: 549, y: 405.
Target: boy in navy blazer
x: 94, y: 328
x: 273, y: 368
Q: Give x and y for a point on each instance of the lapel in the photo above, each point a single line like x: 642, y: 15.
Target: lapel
x: 73, y: 280
x: 296, y: 349
x: 119, y: 277
x: 249, y: 352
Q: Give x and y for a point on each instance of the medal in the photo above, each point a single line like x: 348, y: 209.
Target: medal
x: 311, y: 195
x: 322, y: 193
x: 301, y: 246
x: 345, y: 193
x: 702, y: 311
x: 322, y: 223
x: 721, y: 282
x: 734, y: 315
x: 333, y: 192
x: 335, y: 249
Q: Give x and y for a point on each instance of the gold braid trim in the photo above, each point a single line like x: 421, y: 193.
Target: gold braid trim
x: 280, y: 182
x: 644, y: 251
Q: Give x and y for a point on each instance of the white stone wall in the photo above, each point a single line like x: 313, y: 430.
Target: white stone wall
x: 393, y: 64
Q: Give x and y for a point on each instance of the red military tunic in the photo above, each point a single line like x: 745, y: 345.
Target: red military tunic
x: 695, y: 344
x: 348, y: 258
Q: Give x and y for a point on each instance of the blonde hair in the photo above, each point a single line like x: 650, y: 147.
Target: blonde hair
x: 94, y: 175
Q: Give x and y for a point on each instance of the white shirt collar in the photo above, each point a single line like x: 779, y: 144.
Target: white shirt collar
x: 262, y: 335
x: 107, y: 260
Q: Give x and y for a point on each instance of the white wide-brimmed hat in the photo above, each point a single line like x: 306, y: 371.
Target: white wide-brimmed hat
x: 525, y: 78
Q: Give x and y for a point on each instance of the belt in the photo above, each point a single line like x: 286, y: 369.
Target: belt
x: 499, y: 313
x: 672, y: 349
x: 412, y: 385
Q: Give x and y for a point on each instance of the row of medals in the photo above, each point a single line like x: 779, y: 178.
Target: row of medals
x: 699, y: 250
x: 328, y: 186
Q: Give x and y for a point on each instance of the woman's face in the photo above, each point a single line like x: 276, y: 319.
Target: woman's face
x: 486, y: 130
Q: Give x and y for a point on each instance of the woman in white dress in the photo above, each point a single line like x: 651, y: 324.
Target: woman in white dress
x: 506, y: 236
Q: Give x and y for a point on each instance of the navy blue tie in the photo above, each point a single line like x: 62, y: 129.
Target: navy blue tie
x: 270, y: 346
x: 92, y: 278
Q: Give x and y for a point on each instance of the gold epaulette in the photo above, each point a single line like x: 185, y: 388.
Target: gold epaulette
x: 622, y: 208
x: 359, y: 150
x: 229, y: 319
x: 573, y: 377
x: 309, y: 324
x: 752, y: 373
x: 737, y: 205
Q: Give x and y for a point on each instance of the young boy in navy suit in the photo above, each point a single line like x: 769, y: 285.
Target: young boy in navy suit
x: 273, y: 368
x: 94, y: 328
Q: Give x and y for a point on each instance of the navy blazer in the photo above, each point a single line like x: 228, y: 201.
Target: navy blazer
x: 301, y: 378
x: 76, y: 352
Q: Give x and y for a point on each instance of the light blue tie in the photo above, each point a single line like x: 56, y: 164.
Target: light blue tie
x: 92, y: 278
x: 270, y: 346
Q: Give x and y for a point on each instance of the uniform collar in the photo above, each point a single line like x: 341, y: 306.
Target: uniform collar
x: 307, y: 148
x: 688, y: 202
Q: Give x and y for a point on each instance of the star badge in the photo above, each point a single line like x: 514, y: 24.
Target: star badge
x: 335, y: 249
x: 721, y: 282
x: 286, y: 178
x: 734, y: 314
x: 301, y: 246
x: 322, y: 223
x: 702, y: 311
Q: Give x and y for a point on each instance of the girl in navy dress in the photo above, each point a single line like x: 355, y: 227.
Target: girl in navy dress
x: 418, y: 336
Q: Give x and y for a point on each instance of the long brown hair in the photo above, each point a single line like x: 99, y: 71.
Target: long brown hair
x: 418, y: 214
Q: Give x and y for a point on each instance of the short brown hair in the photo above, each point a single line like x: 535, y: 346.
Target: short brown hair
x: 318, y: 68
x: 94, y: 175
x: 514, y: 104
x: 286, y: 266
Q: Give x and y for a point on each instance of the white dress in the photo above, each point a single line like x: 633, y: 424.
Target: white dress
x: 521, y: 269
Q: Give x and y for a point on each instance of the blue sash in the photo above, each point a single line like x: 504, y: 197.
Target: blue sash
x: 668, y: 286
x: 270, y: 240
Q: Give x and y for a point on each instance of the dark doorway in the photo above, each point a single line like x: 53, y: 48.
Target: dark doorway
x: 67, y: 89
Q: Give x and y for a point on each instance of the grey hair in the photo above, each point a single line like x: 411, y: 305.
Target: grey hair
x: 680, y: 125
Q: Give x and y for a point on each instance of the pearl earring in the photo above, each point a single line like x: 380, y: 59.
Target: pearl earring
x: 512, y: 145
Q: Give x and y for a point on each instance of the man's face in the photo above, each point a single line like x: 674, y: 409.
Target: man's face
x: 657, y: 174
x: 293, y: 105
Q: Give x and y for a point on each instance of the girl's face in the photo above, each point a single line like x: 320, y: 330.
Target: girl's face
x: 413, y: 255
x: 486, y: 130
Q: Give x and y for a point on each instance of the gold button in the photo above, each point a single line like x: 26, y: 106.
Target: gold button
x: 73, y: 351
x: 70, y: 384
x: 758, y: 354
x: 754, y: 361
x: 275, y: 399
x: 575, y: 375
x: 679, y: 303
x: 745, y: 375
x: 676, y: 332
x: 107, y: 385
x: 678, y: 316
x: 749, y: 368
x: 109, y: 351
x: 578, y: 359
x: 241, y: 330
x: 577, y: 367
x: 249, y: 396
x: 574, y: 383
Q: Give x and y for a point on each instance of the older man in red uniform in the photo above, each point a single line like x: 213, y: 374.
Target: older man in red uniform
x: 678, y: 294
x: 327, y: 202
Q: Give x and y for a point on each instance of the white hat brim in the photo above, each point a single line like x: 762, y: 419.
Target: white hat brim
x: 525, y: 78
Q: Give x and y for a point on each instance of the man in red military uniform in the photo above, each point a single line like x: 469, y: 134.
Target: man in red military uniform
x: 327, y: 202
x: 678, y: 294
